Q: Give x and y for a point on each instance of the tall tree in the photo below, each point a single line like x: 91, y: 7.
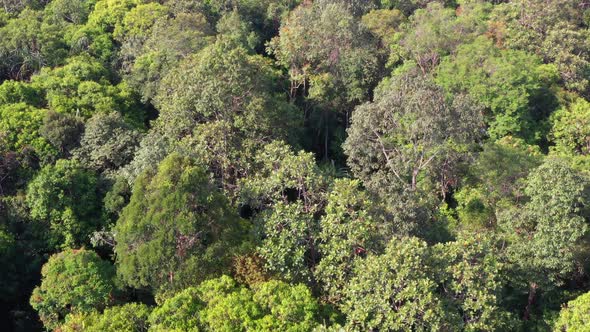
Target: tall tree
x: 545, y: 234
x: 177, y: 230
x: 403, y: 139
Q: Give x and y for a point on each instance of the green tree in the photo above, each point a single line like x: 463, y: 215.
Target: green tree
x: 329, y: 55
x: 289, y: 241
x: 222, y: 305
x: 21, y: 126
x: 169, y: 40
x: 494, y: 180
x: 284, y: 176
x: 130, y: 317
x: 66, y: 197
x: 180, y: 312
x: 14, y: 92
x: 63, y: 131
x: 348, y: 232
x: 544, y: 234
x: 224, y: 83
x: 68, y: 12
x: 28, y: 44
x: 469, y: 272
x: 177, y: 229
x: 72, y: 281
x: 571, y: 128
x: 395, y: 291
x: 404, y: 140
x: 507, y: 82
x: 82, y: 88
x: 108, y: 143
x: 434, y: 32
x: 153, y: 148
x: 226, y: 105
x: 553, y: 30
x: 574, y: 315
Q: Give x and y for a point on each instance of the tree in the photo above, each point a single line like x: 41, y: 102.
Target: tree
x: 395, y: 291
x: 571, y: 128
x: 284, y: 176
x: 505, y: 81
x: 108, y: 143
x: 73, y: 281
x: 153, y: 148
x: 179, y: 312
x: 82, y: 88
x: 14, y: 92
x: 130, y: 317
x: 469, y: 272
x: 348, y: 232
x: 21, y: 125
x: 168, y: 41
x: 574, y: 315
x: 63, y: 131
x: 66, y: 197
x: 434, y: 32
x: 217, y: 84
x: 403, y: 140
x: 29, y: 44
x: 66, y: 12
x: 495, y: 180
x: 544, y: 234
x: 553, y: 30
x: 225, y: 104
x: 177, y: 230
x: 329, y: 55
x: 222, y: 305
x: 289, y: 241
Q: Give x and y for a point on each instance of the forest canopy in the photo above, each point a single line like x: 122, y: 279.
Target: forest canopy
x: 294, y: 165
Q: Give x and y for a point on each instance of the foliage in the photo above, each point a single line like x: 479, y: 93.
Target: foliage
x: 328, y: 54
x: 73, y: 281
x: 380, y: 165
x: 574, y: 315
x: 218, y: 84
x: 394, y: 291
x: 221, y: 304
x: 28, y: 44
x: 62, y: 130
x: 505, y: 81
x: 347, y: 233
x: 108, y: 143
x: 570, y: 128
x: 551, y: 29
x: 177, y: 230
x: 544, y: 234
x: 66, y: 198
x: 131, y: 317
x: 403, y: 138
x: 21, y: 126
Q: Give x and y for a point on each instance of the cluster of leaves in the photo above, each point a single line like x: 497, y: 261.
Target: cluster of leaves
x: 294, y: 165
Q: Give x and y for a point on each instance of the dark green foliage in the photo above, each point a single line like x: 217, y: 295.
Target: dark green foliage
x: 62, y: 130
x: 66, y: 198
x: 108, y: 143
x: 177, y: 230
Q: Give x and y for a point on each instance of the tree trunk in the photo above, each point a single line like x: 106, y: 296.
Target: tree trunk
x: 531, y: 300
